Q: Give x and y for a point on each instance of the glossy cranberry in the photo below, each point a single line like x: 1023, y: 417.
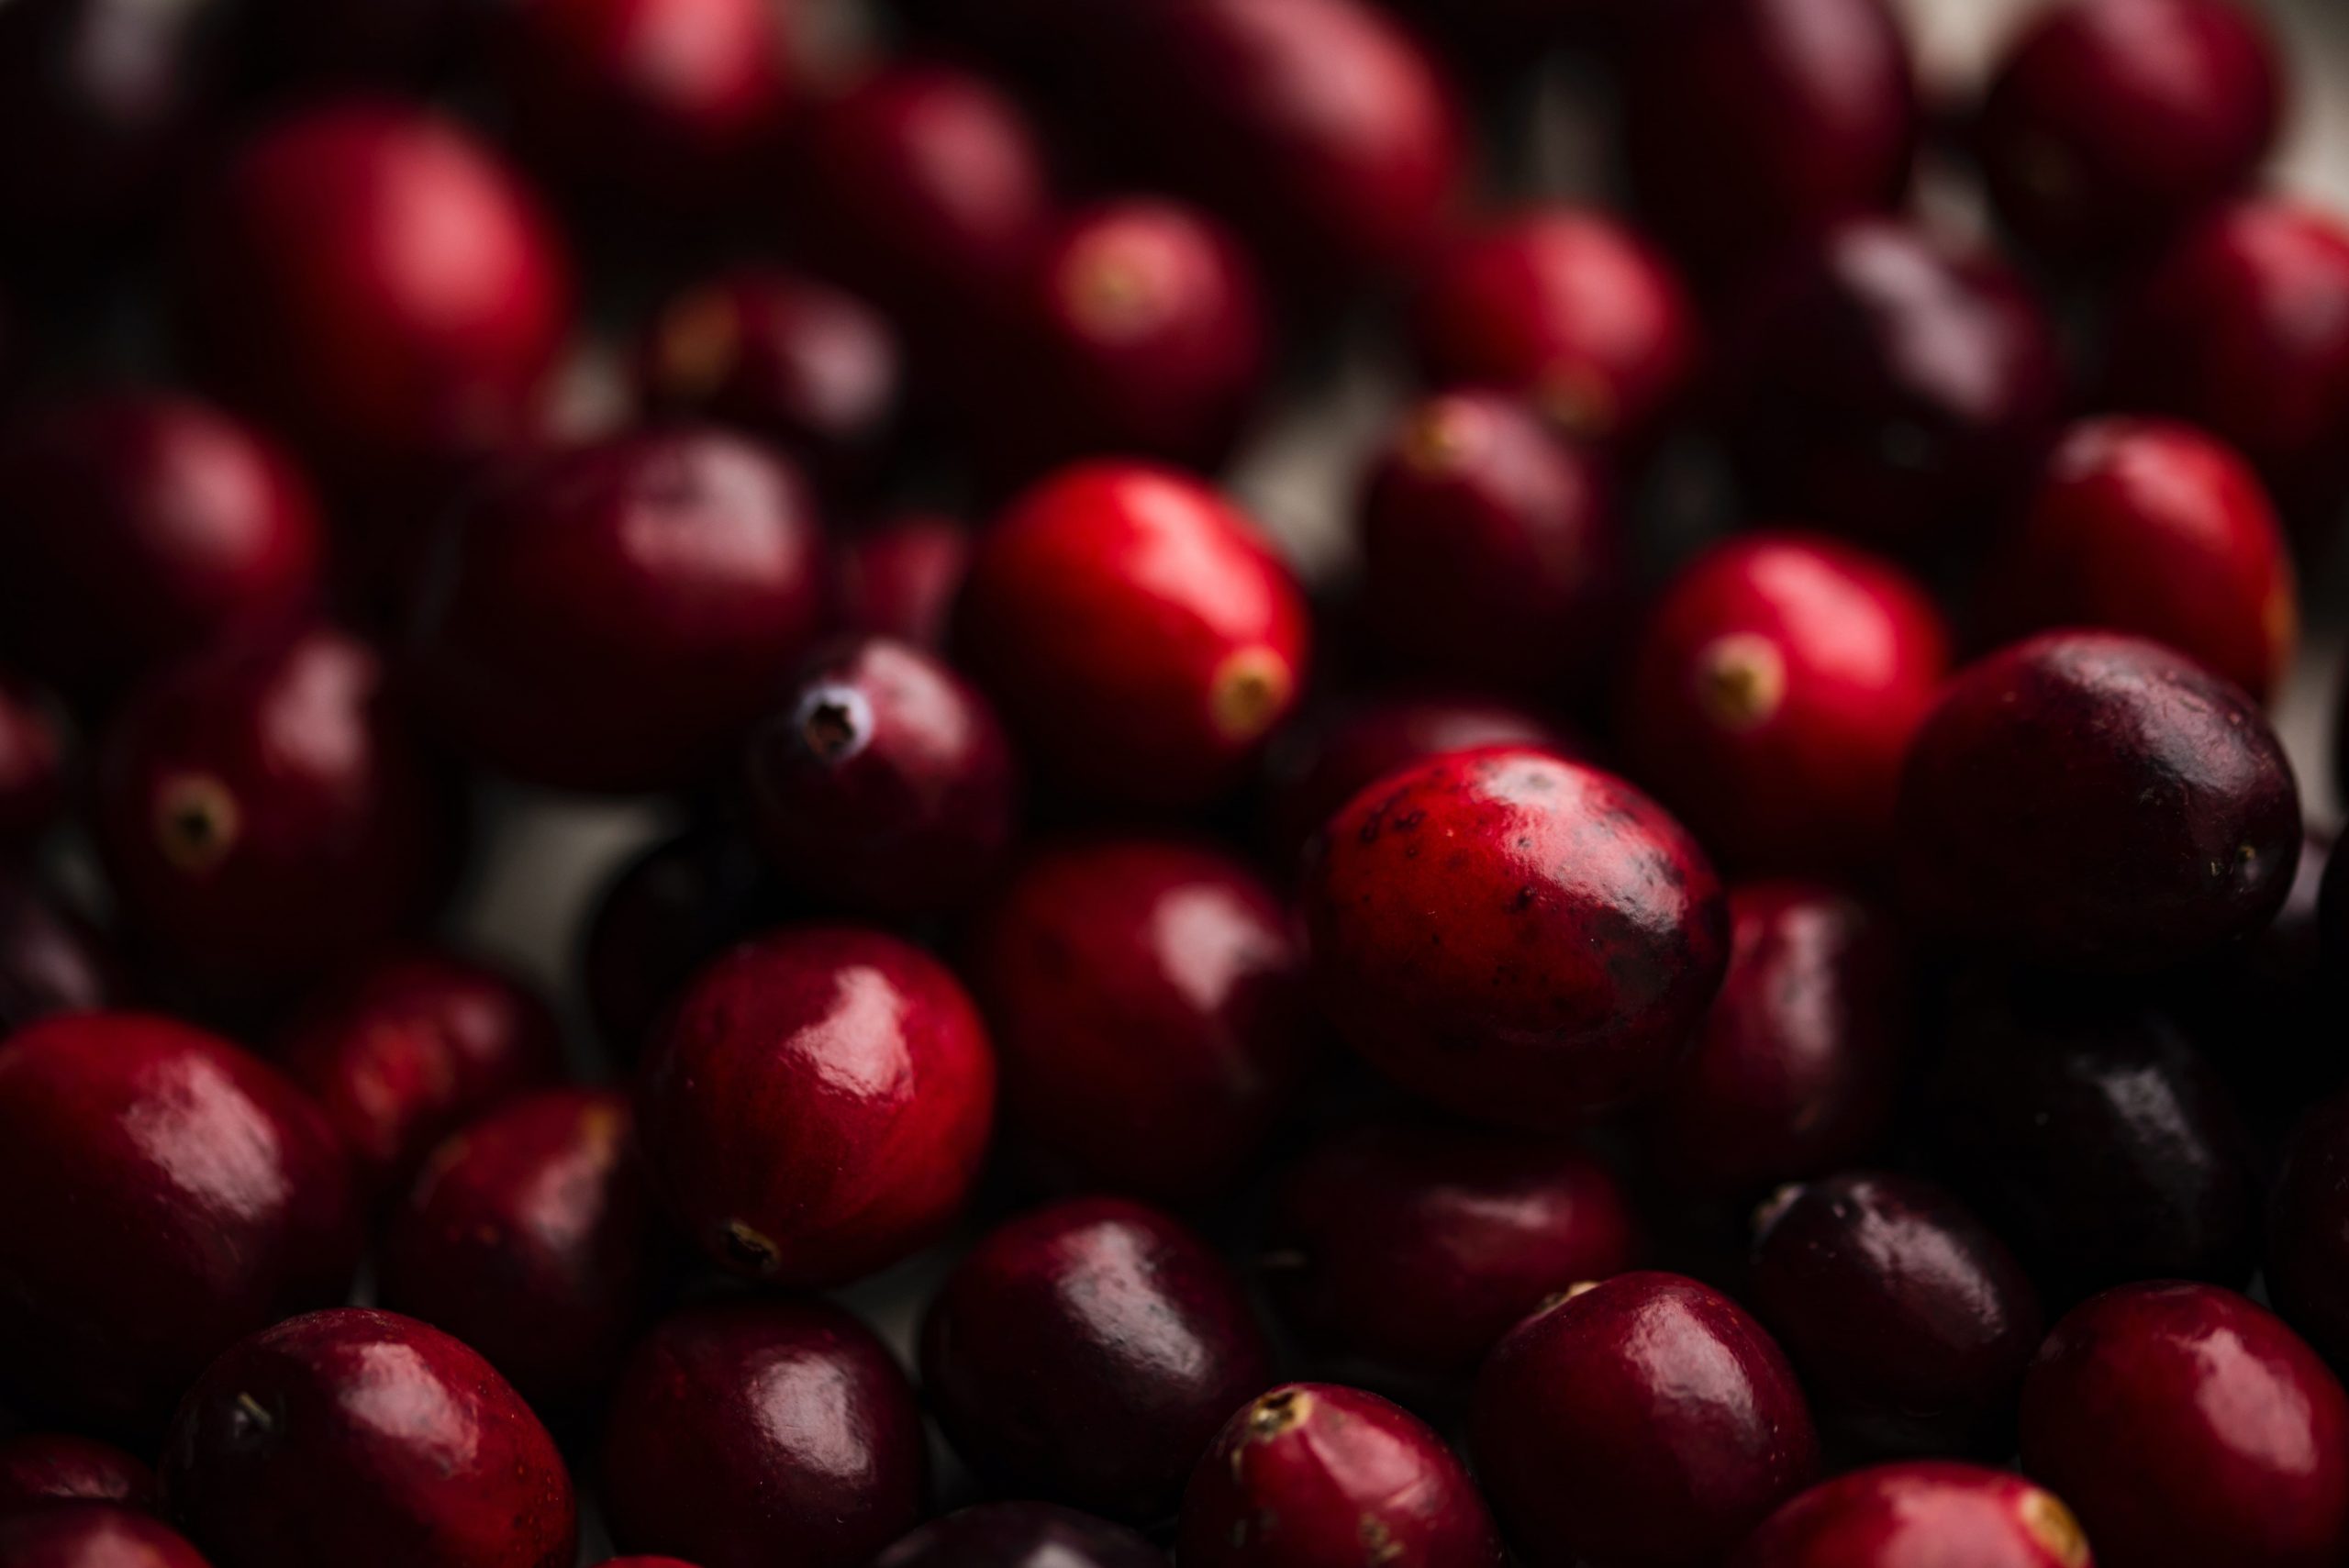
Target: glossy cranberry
x: 1773, y: 694
x: 1922, y: 1514
x: 368, y: 1438
x: 2186, y: 1426
x: 670, y: 910
x: 2308, y: 1229
x: 883, y: 782
x: 1647, y: 1419
x: 614, y: 616
x: 51, y: 961
x: 32, y: 766
x: 1316, y: 1475
x: 1416, y: 1245
x: 1554, y: 957
x: 818, y: 1104
x: 1021, y: 1535
x: 1149, y: 1000
x: 2096, y: 801
x: 743, y: 1423
x: 1140, y: 637
x: 900, y: 579
x: 208, y: 1199
x: 1088, y: 1352
x: 50, y: 1467
x: 92, y: 1535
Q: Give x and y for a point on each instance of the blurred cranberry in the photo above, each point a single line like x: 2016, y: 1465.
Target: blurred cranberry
x: 1021, y: 1535
x: 50, y: 1467
x: 900, y: 579
x: 51, y: 961
x: 32, y: 766
x: 1922, y: 1514
x: 669, y: 910
x: 92, y: 1535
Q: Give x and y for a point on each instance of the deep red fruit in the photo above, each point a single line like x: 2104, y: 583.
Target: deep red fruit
x: 2096, y: 801
x: 370, y: 1439
x: 2308, y: 1229
x: 208, y: 1199
x: 1551, y: 956
x: 883, y: 782
x: 51, y: 1467
x: 614, y: 616
x: 1647, y: 1419
x: 1021, y: 1535
x: 1316, y: 1475
x: 1138, y: 635
x: 743, y: 1423
x: 670, y: 910
x: 91, y: 1535
x: 1416, y: 1246
x: 1774, y: 693
x: 1924, y: 1514
x: 51, y: 961
x: 32, y: 766
x: 2186, y: 1426
x: 818, y: 1104
x: 900, y: 579
x: 136, y: 528
x: 2111, y: 124
x: 1148, y: 997
x: 1088, y: 1352
x: 1492, y: 554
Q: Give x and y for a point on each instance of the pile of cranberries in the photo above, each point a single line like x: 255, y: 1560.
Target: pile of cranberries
x: 1291, y: 850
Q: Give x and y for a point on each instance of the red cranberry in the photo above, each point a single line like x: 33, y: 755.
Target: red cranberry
x: 884, y: 782
x: 1136, y: 632
x: 1922, y: 1514
x: 366, y: 1438
x: 671, y: 910
x: 1021, y: 1535
x: 1088, y: 1352
x: 614, y: 616
x: 1315, y: 1475
x: 2095, y: 801
x: 1137, y: 987
x: 1555, y: 954
x: 1416, y: 1245
x: 32, y: 766
x: 208, y: 1199
x: 1645, y: 1420
x: 2186, y: 1426
x: 1774, y: 693
x: 818, y: 1104
x: 55, y: 1467
x: 2308, y: 1229
x: 91, y: 1535
x: 741, y: 1424
x: 51, y: 961
x: 900, y: 580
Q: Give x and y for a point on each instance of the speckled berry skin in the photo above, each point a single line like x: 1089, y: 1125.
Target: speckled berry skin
x: 900, y: 578
x: 1920, y: 1513
x: 2094, y: 801
x: 1021, y: 1535
x: 1514, y: 936
x: 2308, y: 1229
x: 2187, y: 1426
x: 1316, y: 1475
x: 364, y: 1437
x: 51, y: 1467
x: 92, y: 1535
x: 50, y: 959
x: 1646, y: 1421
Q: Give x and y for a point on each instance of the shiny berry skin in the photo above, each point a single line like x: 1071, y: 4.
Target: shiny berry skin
x: 899, y: 579
x: 1087, y: 1352
x: 2308, y: 1229
x: 364, y: 1437
x: 2111, y: 124
x: 1138, y: 635
x: 1416, y: 1246
x: 1514, y: 936
x: 743, y: 1422
x: 817, y: 1105
x: 1148, y: 998
x: 670, y: 909
x: 612, y: 617
x: 32, y: 766
x: 1921, y: 1514
x: 1316, y: 1475
x: 2186, y: 1426
x: 2095, y: 801
x: 50, y: 959
x: 1647, y: 1419
x: 883, y: 782
x: 92, y: 1535
x: 1773, y: 694
x: 1021, y: 1535
x: 50, y: 1467
x: 209, y: 1200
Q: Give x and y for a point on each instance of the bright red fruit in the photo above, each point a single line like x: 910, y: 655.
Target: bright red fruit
x: 1926, y: 1514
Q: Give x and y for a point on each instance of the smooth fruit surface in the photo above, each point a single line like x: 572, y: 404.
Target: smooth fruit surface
x: 50, y: 1467
x: 92, y: 1535
x: 1924, y: 1514
x: 1021, y: 1535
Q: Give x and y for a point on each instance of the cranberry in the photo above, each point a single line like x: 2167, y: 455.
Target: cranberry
x: 91, y: 1535
x: 818, y: 1104
x: 1149, y: 1000
x: 51, y: 961
x: 208, y: 1199
x: 2186, y: 1426
x: 614, y: 616
x: 55, y: 1467
x: 2308, y: 1229
x: 1921, y: 1514
x: 899, y: 580
x: 1645, y: 1420
x: 671, y: 910
x: 1021, y: 1535
x: 1088, y: 1352
x: 883, y: 782
x: 32, y: 766
x: 1774, y: 693
x: 2093, y: 800
x: 1315, y: 1475
x: 1416, y: 1246
x: 741, y: 1424
x: 1136, y: 632
x: 1554, y: 957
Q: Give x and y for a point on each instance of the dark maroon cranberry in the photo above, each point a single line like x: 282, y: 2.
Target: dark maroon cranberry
x: 32, y: 766
x: 1088, y: 1352
x: 1646, y: 1419
x: 2308, y: 1231
x: 1021, y: 1535
x: 1315, y: 1475
x: 883, y: 782
x: 2186, y: 1426
x: 208, y: 1199
x: 900, y: 579
x: 670, y: 910
x: 56, y: 1467
x: 366, y: 1438
x: 2095, y: 801
x: 92, y: 1535
x: 742, y: 1423
x: 51, y: 961
x: 1921, y: 1514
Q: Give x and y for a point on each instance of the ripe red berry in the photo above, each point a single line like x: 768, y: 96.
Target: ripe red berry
x: 900, y: 579
x: 92, y: 1535
x: 52, y: 1467
x: 1924, y: 1514
x: 1021, y: 1535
